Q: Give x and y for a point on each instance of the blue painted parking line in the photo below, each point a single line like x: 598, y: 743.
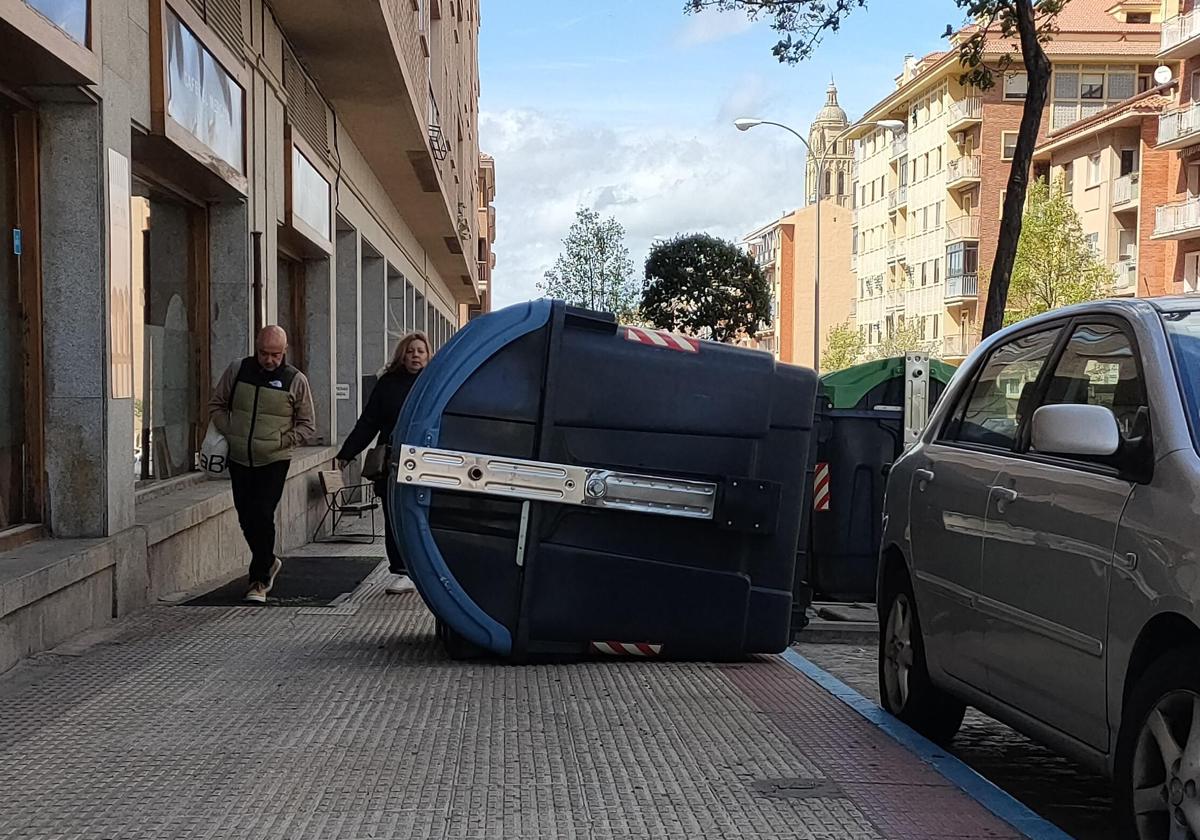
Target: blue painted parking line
x: 960, y: 775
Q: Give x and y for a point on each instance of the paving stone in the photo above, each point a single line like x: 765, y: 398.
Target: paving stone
x: 288, y: 723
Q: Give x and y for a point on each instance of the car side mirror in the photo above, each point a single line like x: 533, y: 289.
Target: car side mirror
x: 1082, y: 430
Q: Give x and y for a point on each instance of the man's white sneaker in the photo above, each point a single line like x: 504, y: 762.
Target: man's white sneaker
x: 257, y: 594
x: 401, y: 585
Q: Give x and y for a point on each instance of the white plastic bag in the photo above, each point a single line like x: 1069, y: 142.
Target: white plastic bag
x: 214, y: 454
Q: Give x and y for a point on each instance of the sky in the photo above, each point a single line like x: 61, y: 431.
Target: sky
x: 627, y: 106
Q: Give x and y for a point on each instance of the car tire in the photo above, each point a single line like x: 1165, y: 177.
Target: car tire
x: 1167, y: 693
x: 905, y: 689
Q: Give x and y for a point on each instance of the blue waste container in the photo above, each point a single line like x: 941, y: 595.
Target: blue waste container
x: 564, y: 485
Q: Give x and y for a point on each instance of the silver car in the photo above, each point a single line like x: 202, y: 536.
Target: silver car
x: 1041, y: 551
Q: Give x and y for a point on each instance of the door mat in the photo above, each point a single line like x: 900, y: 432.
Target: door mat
x: 303, y: 582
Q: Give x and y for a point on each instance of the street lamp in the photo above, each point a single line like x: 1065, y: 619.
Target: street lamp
x: 747, y: 123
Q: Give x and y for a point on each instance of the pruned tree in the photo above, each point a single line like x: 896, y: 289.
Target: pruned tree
x: 1055, y: 264
x: 594, y: 270
x: 706, y: 287
x: 844, y: 346
x: 907, y: 337
x: 1012, y: 28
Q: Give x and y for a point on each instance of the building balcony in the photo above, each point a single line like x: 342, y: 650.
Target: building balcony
x: 961, y: 287
x: 964, y: 227
x: 899, y: 145
x: 898, y: 198
x: 1179, y: 128
x: 963, y: 172
x: 1125, y: 280
x: 959, y: 346
x: 1126, y: 191
x: 1178, y: 220
x: 964, y: 113
x: 1180, y: 36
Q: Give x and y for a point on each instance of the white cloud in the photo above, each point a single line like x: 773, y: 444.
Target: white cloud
x: 710, y: 26
x: 656, y: 182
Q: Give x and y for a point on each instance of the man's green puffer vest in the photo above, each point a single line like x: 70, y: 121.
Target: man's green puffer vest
x: 261, y: 415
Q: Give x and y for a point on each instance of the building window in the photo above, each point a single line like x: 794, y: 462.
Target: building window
x: 1079, y: 91
x: 841, y: 183
x: 1016, y: 85
x: 828, y: 177
x: 1137, y: 17
x: 937, y: 273
x: 1129, y: 161
x: 1093, y: 170
x: 71, y: 16
x: 935, y: 320
x: 1093, y: 241
x: 1069, y: 178
x: 962, y: 258
x: 1008, y: 145
x: 937, y: 159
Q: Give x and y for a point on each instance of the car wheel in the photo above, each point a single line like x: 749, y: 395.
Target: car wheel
x: 904, y: 685
x: 1157, y: 767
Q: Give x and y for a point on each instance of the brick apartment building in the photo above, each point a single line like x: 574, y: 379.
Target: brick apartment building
x: 929, y: 201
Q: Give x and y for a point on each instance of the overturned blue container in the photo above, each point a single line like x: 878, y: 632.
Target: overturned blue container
x: 565, y: 484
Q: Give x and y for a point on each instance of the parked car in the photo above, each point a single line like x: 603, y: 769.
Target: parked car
x: 1041, y: 551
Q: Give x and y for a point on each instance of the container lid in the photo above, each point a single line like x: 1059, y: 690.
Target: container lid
x: 846, y: 388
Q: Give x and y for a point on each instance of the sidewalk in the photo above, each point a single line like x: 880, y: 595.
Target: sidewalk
x: 349, y: 722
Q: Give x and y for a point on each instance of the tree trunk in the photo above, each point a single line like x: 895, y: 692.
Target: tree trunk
x: 1037, y: 66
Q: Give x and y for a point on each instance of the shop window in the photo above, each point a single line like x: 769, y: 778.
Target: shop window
x: 170, y: 333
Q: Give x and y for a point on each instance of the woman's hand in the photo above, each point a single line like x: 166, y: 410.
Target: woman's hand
x: 341, y: 465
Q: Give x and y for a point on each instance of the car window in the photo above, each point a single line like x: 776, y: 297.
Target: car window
x: 1000, y: 396
x: 1099, y: 367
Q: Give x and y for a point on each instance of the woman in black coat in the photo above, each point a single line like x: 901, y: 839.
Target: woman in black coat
x: 378, y: 419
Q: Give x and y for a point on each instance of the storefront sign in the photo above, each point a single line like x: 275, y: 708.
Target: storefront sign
x: 71, y: 16
x: 202, y: 97
x: 310, y: 194
x: 120, y: 278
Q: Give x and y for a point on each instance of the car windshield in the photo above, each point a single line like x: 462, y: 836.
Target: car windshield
x: 1183, y: 328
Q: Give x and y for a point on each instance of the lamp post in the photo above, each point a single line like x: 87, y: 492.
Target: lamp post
x: 745, y: 124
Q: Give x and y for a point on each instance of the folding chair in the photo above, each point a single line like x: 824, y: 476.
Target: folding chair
x: 342, y: 500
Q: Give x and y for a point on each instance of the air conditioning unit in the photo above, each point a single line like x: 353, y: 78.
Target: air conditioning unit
x: 960, y: 137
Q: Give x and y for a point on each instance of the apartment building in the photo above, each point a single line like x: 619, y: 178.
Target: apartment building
x: 1116, y: 177
x: 929, y: 200
x: 1176, y: 206
x: 487, y: 239
x: 174, y: 175
x: 784, y: 252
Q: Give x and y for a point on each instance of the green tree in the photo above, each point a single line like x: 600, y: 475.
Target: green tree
x: 1055, y: 264
x: 907, y: 337
x: 844, y: 347
x: 1028, y: 23
x: 704, y: 286
x: 594, y: 270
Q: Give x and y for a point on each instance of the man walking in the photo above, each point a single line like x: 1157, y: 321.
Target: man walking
x: 264, y: 408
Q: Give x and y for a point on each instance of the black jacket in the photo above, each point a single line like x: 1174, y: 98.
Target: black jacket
x: 380, y: 413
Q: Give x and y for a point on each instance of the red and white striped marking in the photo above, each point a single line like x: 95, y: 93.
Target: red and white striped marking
x: 626, y: 649
x: 663, y: 338
x: 821, y: 488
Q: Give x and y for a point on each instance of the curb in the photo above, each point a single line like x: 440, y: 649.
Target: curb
x: 821, y: 631
x: 995, y: 800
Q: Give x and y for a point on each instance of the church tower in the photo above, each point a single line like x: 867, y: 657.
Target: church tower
x: 830, y: 121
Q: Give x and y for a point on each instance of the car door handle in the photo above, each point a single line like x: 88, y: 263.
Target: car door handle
x: 924, y: 477
x: 1004, y: 497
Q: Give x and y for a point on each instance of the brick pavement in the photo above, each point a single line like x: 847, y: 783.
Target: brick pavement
x: 348, y: 722
x: 1073, y: 798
